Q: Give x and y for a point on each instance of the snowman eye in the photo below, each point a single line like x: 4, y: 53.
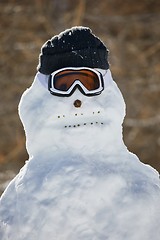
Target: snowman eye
x: 88, y: 81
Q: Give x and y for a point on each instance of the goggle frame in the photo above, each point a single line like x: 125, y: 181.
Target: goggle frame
x: 76, y: 83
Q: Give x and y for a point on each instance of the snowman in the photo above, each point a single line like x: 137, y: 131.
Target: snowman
x: 80, y: 182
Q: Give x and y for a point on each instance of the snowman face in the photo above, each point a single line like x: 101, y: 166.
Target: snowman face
x: 78, y: 109
x: 47, y: 116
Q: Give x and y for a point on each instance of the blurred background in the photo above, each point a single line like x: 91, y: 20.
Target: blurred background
x: 131, y: 31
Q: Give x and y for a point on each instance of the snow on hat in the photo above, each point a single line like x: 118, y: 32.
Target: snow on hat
x: 75, y: 47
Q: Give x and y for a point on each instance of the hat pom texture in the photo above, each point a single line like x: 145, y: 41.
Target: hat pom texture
x: 75, y: 47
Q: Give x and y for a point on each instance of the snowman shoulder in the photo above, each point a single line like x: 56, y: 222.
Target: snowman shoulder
x: 8, y: 203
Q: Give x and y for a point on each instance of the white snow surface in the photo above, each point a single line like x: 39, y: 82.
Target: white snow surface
x: 80, y: 181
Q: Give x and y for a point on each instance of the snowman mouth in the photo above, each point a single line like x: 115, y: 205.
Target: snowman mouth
x: 80, y: 119
x: 83, y: 124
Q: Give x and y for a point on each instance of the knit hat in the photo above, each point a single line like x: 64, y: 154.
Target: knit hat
x: 75, y: 47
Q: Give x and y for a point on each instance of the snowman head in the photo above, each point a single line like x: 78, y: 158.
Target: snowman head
x: 73, y: 98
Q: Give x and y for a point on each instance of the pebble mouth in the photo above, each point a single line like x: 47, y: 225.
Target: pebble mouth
x: 81, y: 119
x: 83, y: 124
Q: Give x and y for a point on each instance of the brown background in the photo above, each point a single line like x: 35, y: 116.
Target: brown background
x: 130, y: 29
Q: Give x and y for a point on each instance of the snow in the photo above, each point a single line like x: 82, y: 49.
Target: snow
x: 80, y: 181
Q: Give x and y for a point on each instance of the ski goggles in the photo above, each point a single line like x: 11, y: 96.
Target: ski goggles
x: 63, y: 82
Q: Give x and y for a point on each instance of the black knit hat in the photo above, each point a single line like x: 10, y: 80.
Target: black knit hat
x: 75, y: 47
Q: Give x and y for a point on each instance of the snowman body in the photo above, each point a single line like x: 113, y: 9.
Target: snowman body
x: 80, y: 181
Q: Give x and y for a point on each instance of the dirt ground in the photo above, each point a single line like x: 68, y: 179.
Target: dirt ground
x: 130, y: 29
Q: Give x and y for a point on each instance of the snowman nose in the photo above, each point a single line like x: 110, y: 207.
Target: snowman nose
x: 77, y: 103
